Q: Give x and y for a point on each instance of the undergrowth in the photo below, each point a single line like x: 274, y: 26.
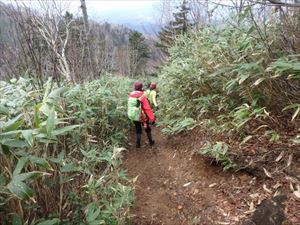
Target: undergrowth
x: 218, y: 152
x: 60, y: 153
x: 226, y: 80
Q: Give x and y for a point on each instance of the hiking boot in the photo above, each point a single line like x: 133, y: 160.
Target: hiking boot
x: 151, y: 142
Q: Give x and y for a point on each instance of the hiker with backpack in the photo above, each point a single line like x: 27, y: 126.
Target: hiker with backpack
x: 151, y: 95
x: 140, y: 112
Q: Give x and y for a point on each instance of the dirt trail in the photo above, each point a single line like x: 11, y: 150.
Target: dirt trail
x: 176, y: 187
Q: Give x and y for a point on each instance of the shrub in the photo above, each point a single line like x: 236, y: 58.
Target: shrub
x: 228, y: 73
x: 218, y: 152
x: 59, y: 156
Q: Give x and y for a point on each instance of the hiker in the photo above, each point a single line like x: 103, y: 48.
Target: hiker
x: 140, y: 112
x: 147, y: 92
x: 151, y: 95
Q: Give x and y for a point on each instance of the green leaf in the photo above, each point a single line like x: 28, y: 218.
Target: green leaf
x: 66, y: 179
x: 93, y: 215
x: 64, y: 130
x: 50, y: 124
x: 292, y: 106
x: 46, y: 108
x: 37, y: 121
x: 251, y: 29
x: 13, y: 124
x: 20, y: 165
x: 243, y: 78
x: 27, y: 134
x: 16, y: 220
x: 20, y: 189
x: 92, y: 212
x: 3, y: 110
x: 25, y: 176
x: 10, y: 134
x: 2, y: 180
x: 57, y: 92
x: 40, y: 162
x: 16, y: 186
x: 59, y: 159
x: 69, y: 168
x: 15, y: 143
x: 47, y: 88
x: 49, y: 222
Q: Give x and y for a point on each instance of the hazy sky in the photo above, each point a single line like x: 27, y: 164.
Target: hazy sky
x: 108, y: 10
x: 137, y: 14
x: 118, y: 10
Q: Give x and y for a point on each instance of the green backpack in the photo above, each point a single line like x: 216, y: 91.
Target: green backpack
x: 134, y: 108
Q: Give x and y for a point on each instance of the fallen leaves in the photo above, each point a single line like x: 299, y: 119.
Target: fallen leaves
x: 289, y: 162
x: 212, y: 185
x: 267, y: 189
x: 187, y: 184
x: 297, y: 192
x: 251, y: 208
x: 279, y: 157
x: 277, y: 185
x: 267, y: 173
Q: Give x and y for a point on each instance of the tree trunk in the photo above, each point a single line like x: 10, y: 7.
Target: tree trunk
x: 85, y: 16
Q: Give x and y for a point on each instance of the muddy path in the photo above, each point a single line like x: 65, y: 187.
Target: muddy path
x: 175, y: 186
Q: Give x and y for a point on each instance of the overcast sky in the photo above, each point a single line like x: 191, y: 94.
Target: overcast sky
x: 118, y: 10
x: 136, y: 14
x: 113, y: 11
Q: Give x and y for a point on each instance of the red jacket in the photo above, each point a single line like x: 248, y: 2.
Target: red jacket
x: 147, y: 113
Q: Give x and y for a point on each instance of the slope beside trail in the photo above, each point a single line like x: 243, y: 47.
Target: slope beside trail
x: 175, y: 186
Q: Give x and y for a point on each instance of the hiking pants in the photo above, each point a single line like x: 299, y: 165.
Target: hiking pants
x: 139, y: 125
x: 138, y: 131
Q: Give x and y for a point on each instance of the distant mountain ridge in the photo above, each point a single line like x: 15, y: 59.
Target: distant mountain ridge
x: 117, y: 32
x: 145, y: 27
x: 110, y: 39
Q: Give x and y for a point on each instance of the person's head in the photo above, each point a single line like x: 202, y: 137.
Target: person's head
x: 152, y: 86
x: 138, y: 86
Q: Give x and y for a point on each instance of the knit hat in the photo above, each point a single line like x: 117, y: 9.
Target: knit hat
x: 152, y: 86
x: 138, y: 86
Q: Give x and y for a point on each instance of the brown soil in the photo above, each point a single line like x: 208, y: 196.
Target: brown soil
x: 176, y: 186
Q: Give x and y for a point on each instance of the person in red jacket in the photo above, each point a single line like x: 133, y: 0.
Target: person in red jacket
x: 147, y: 116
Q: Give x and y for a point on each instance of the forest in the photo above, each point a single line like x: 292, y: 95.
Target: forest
x: 227, y: 127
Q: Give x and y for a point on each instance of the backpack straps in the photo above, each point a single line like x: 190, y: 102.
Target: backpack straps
x: 140, y: 98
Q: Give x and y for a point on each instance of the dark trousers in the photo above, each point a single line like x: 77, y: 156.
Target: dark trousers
x: 138, y: 131
x: 139, y: 125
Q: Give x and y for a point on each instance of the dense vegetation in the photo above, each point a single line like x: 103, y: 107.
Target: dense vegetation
x: 233, y: 81
x: 63, y: 129
x: 60, y: 152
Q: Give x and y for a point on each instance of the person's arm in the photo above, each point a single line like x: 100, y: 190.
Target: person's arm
x: 147, y: 109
